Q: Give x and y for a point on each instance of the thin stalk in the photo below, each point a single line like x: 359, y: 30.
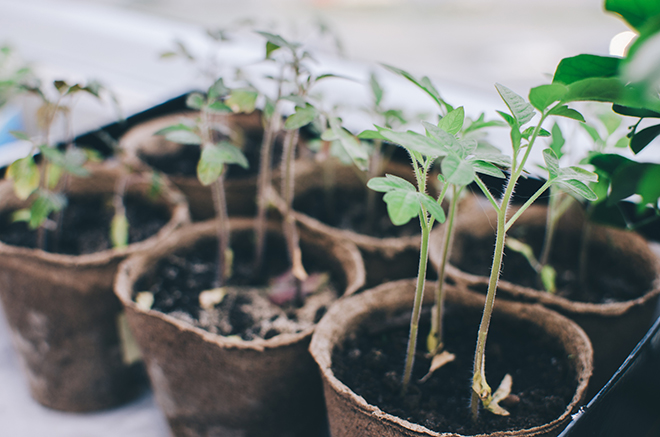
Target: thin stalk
x: 262, y: 188
x: 526, y: 205
x: 555, y: 211
x: 417, y: 305
x: 439, y: 294
x: 223, y: 230
x: 374, y: 171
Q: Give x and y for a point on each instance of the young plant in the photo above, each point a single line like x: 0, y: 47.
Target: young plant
x: 45, y: 183
x: 549, y: 100
x: 214, y: 158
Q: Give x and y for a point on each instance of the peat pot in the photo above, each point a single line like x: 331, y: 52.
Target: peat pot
x: 354, y: 340
x: 220, y: 385
x: 66, y: 324
x: 621, y: 277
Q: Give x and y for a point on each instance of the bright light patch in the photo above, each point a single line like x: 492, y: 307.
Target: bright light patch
x: 620, y: 42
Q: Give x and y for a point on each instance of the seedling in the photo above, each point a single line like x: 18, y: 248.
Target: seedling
x: 214, y: 158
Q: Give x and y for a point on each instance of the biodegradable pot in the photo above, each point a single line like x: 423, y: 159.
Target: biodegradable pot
x: 351, y: 415
x: 621, y: 257
x: 141, y: 146
x: 64, y: 319
x: 210, y: 385
x: 335, y: 183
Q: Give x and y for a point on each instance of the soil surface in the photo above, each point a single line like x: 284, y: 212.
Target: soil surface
x: 86, y: 225
x: 184, y: 162
x: 247, y: 309
x: 371, y: 364
x: 609, y: 280
x: 347, y: 209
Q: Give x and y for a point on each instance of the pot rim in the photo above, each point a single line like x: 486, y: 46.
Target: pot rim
x: 133, y: 267
x: 173, y: 198
x: 321, y: 348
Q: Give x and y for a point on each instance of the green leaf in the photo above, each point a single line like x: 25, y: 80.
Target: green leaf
x: 213, y: 159
x: 242, y: 100
x: 433, y: 208
x: 551, y: 162
x: 424, y: 84
x: 452, y: 123
x: 558, y: 140
x: 270, y: 48
x: 119, y: 231
x: 548, y: 277
x: 195, y: 101
x: 402, y: 206
x: 636, y: 12
x: 302, y: 117
x: 545, y: 95
x: 565, y: 111
x: 413, y: 142
x: 446, y: 140
x: 642, y: 138
x: 390, y: 183
x: 488, y: 169
x: 578, y: 188
x: 522, y: 111
x: 217, y: 90
x: 351, y: 145
x: 371, y: 135
x: 74, y: 159
x: 53, y: 174
x: 457, y: 171
x: 376, y: 89
x: 25, y: 175
x: 218, y: 107
x: 581, y: 67
x: 597, y: 89
x: 649, y: 185
x: 43, y: 206
x: 635, y: 112
x: 577, y: 173
x: 183, y: 137
x: 625, y: 180
x: 19, y: 135
x: 295, y: 98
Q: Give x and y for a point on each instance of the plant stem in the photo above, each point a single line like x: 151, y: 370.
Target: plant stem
x: 262, y: 188
x: 374, y: 171
x: 223, y: 231
x: 417, y: 305
x: 440, y: 296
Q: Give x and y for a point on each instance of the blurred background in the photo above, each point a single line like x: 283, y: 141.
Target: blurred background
x: 465, y: 46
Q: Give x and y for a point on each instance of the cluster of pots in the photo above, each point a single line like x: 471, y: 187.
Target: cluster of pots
x: 70, y: 314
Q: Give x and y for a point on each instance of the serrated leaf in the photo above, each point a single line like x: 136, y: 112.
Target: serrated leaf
x: 457, y: 171
x: 402, y: 206
x: 488, y: 169
x: 578, y: 188
x: 541, y: 97
x: 413, y: 142
x: 447, y: 140
x: 565, y: 111
x: 551, y: 162
x: 25, y: 175
x: 242, y: 100
x: 452, y: 123
x: 433, y: 208
x: 390, y: 183
x: 581, y: 67
x: 195, y: 101
x: 522, y: 111
x: 642, y: 138
x: 302, y: 117
x: 119, y: 231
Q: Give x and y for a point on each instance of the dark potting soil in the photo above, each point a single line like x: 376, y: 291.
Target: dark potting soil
x: 246, y: 310
x: 608, y: 278
x: 371, y: 364
x: 184, y: 161
x: 347, y: 209
x: 86, y: 225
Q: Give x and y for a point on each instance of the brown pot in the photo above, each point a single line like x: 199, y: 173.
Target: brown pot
x: 210, y: 385
x: 384, y: 258
x: 351, y: 415
x: 614, y: 328
x: 140, y: 145
x: 65, y: 320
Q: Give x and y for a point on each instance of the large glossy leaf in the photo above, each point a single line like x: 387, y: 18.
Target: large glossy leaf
x: 520, y: 109
x: 649, y: 185
x: 600, y: 89
x: 545, y: 95
x: 635, y: 12
x: 642, y: 138
x: 402, y: 206
x: 581, y: 67
x: 565, y: 111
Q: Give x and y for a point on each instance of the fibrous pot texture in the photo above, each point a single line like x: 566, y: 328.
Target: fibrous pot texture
x: 614, y: 305
x: 386, y: 306
x: 208, y: 384
x: 65, y: 321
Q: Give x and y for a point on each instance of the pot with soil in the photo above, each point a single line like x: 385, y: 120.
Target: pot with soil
x: 613, y: 297
x: 331, y: 199
x: 179, y: 161
x: 360, y: 343
x: 233, y: 360
x: 66, y: 323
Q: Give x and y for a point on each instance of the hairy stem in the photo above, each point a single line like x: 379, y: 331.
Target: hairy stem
x: 417, y: 305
